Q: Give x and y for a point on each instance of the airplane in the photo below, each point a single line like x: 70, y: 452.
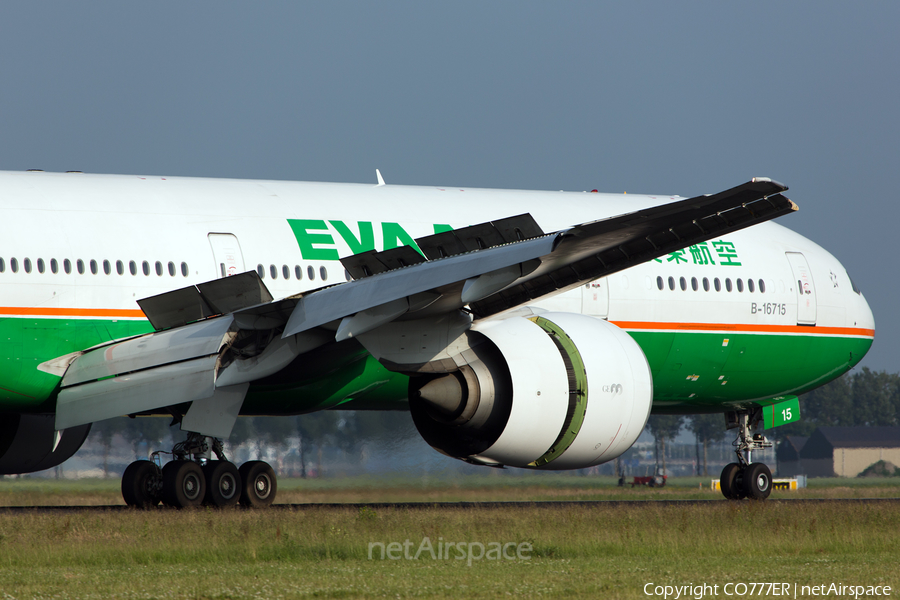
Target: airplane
x: 523, y: 329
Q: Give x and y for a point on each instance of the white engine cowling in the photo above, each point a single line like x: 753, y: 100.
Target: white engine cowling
x: 553, y: 391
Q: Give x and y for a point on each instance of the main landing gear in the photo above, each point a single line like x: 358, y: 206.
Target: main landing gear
x: 745, y: 479
x: 192, y: 478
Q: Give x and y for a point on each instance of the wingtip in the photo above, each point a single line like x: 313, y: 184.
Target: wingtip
x: 778, y: 184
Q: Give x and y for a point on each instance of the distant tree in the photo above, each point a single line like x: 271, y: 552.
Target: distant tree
x: 862, y: 398
x: 875, y: 397
x: 664, y: 427
x: 102, y: 432
x: 829, y: 405
x: 707, y: 428
x: 145, y: 430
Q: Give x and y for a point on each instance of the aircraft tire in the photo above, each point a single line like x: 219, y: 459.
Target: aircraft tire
x: 223, y: 483
x: 730, y: 481
x: 258, y: 484
x: 757, y: 481
x: 140, y: 484
x: 183, y: 484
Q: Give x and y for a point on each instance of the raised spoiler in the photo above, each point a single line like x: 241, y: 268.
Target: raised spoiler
x: 215, y: 338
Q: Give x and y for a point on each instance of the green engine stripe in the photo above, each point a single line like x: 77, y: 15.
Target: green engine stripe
x: 578, y: 394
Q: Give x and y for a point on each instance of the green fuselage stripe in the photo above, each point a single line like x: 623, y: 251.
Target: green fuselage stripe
x: 692, y: 371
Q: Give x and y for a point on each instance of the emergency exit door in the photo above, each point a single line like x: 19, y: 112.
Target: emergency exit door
x: 805, y: 289
x: 595, y: 298
x: 227, y: 254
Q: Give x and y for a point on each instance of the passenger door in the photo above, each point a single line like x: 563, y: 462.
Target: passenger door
x: 227, y: 254
x: 806, y: 289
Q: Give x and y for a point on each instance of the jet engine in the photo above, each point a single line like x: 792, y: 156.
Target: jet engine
x: 552, y: 391
x: 28, y: 443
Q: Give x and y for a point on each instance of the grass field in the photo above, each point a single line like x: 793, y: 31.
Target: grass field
x: 584, y: 551
x: 545, y: 486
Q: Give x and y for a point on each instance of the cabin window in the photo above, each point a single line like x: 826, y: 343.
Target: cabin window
x: 261, y: 271
x: 727, y: 285
x: 323, y: 273
x: 286, y: 271
x: 2, y: 266
x: 762, y: 286
x: 298, y: 272
x: 273, y: 271
x: 120, y: 267
x: 94, y: 268
x: 751, y: 287
x: 348, y: 278
x: 671, y: 283
x: 79, y: 265
x: 67, y: 266
x: 694, y: 285
x: 14, y: 265
x: 718, y: 284
x: 172, y: 271
x: 145, y: 267
x: 54, y: 266
x: 310, y: 272
x: 705, y: 284
x: 40, y: 263
x: 159, y: 268
x: 27, y: 264
x: 107, y: 268
x: 659, y: 282
x: 683, y: 283
x: 184, y: 269
x: 740, y: 285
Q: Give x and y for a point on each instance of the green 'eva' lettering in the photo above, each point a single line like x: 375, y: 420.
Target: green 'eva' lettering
x: 395, y: 236
x: 306, y: 239
x: 366, y: 239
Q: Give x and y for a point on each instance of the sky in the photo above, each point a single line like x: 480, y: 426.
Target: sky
x: 646, y: 97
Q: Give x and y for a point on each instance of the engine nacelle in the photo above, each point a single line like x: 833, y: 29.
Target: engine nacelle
x: 553, y: 391
x: 27, y: 443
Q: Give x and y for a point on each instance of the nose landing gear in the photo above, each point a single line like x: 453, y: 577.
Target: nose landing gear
x: 192, y: 478
x: 744, y: 479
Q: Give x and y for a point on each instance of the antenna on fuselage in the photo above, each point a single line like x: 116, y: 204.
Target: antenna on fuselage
x: 380, y: 178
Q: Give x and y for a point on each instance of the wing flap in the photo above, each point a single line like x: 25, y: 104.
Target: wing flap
x: 219, y: 296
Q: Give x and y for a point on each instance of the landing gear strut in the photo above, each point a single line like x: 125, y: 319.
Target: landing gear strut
x: 193, y: 478
x: 745, y: 479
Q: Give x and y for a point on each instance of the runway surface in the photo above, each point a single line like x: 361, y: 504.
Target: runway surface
x: 473, y: 505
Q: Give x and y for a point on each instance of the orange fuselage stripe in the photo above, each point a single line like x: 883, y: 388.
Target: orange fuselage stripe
x: 627, y: 325
x: 744, y: 328
x: 72, y: 312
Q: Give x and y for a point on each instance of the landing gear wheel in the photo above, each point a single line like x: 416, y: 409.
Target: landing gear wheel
x: 141, y: 483
x: 258, y: 484
x: 757, y: 484
x: 183, y: 484
x: 731, y: 481
x: 223, y: 483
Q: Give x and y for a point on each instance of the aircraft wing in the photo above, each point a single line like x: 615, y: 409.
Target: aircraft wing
x: 488, y: 269
x: 214, y: 339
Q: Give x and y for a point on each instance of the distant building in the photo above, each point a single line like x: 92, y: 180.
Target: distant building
x: 787, y: 456
x: 838, y: 451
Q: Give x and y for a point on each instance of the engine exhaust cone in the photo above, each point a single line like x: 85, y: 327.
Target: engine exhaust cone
x: 445, y: 397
